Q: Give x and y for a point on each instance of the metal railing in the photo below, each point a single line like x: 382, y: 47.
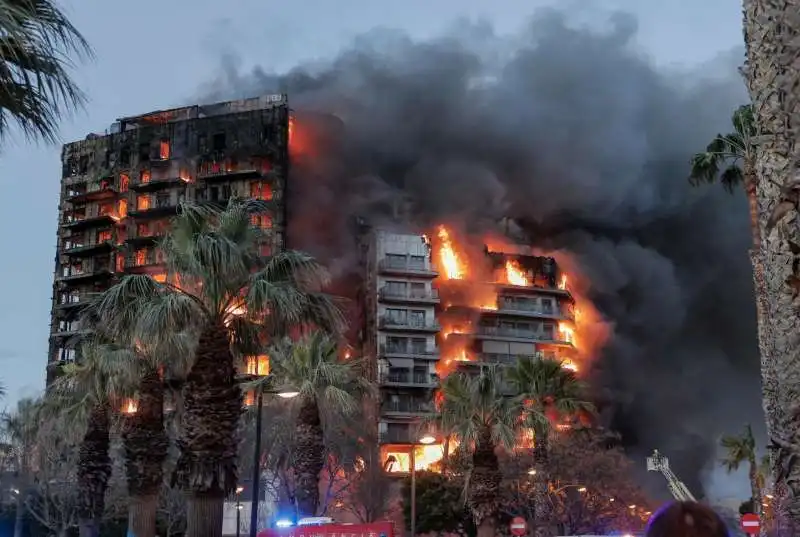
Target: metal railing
x: 407, y: 407
x: 405, y: 264
x: 409, y: 350
x: 533, y: 308
x: 421, y: 324
x: 520, y: 333
x: 419, y: 379
x: 413, y: 294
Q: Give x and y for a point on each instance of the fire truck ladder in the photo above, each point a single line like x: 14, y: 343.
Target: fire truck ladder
x: 659, y: 463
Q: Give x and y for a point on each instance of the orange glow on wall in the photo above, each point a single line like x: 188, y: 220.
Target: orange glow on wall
x: 163, y: 150
x: 263, y: 221
x: 104, y: 236
x: 123, y: 208
x: 249, y: 398
x: 120, y: 263
x: 261, y: 190
x: 142, y: 203
x: 129, y: 406
x: 396, y: 458
x: 160, y: 277
x: 144, y: 176
x: 140, y: 257
x: 124, y: 182
x: 257, y: 365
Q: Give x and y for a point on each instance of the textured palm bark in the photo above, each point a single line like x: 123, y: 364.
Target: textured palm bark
x: 541, y: 485
x: 483, y: 494
x: 309, y: 457
x: 94, y: 470
x: 146, y: 445
x: 772, y: 76
x: 208, y: 439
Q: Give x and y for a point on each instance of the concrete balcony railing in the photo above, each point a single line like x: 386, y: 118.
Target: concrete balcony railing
x: 517, y: 333
x: 534, y: 309
x: 409, y: 350
x: 422, y: 295
x: 407, y: 407
x: 405, y: 265
x: 410, y: 379
x: 409, y: 324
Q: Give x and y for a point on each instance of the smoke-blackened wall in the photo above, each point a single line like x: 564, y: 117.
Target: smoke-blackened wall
x: 587, y: 145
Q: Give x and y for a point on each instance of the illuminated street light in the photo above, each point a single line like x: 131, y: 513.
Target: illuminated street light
x: 632, y: 506
x: 427, y: 440
x: 532, y: 471
x: 582, y: 489
x: 287, y: 394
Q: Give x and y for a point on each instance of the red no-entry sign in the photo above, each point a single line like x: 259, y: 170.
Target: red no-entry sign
x: 518, y: 526
x: 751, y: 524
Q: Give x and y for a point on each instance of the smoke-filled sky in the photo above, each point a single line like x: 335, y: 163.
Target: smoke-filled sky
x: 575, y: 132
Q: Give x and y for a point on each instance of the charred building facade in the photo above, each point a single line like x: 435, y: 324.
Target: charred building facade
x: 119, y: 191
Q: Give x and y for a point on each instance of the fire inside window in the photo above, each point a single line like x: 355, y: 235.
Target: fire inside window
x: 141, y: 257
x: 143, y: 230
x: 263, y: 221
x: 142, y: 203
x: 144, y: 176
x: 260, y: 190
x: 123, y: 208
x: 120, y: 263
x: 104, y: 236
x: 265, y: 250
x: 257, y: 365
x: 106, y: 209
x: 160, y: 278
x: 163, y: 150
x: 124, y: 180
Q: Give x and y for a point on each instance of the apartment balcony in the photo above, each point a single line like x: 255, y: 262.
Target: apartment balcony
x: 89, y: 249
x: 405, y: 267
x: 406, y: 409
x: 532, y: 311
x: 72, y: 332
x: 74, y: 301
x: 515, y: 335
x: 409, y: 435
x: 229, y: 169
x: 157, y: 181
x: 90, y: 273
x: 534, y: 289
x: 142, y: 261
x: 408, y: 325
x: 95, y: 191
x: 155, y: 209
x: 76, y: 223
x: 409, y: 296
x: 408, y: 351
x: 410, y: 380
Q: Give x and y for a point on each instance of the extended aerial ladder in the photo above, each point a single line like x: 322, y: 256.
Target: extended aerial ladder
x: 659, y: 463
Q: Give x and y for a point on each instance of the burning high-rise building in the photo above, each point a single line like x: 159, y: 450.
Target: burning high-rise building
x: 119, y: 190
x: 433, y: 306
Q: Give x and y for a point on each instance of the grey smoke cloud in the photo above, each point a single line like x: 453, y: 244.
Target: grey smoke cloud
x: 587, y: 145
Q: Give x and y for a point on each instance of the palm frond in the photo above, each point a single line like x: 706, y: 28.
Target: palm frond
x: 36, y: 89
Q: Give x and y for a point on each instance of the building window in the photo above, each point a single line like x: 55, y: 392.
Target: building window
x: 419, y: 345
x: 104, y: 236
x: 263, y: 221
x: 265, y: 250
x: 160, y: 278
x: 395, y: 260
x: 218, y: 142
x: 257, y: 365
x: 417, y: 290
x: 124, y: 181
x: 120, y: 263
x: 142, y: 203
x: 144, y: 176
x: 143, y: 230
x: 106, y: 209
x: 416, y: 262
x: 547, y: 305
x: 394, y: 288
x: 260, y: 190
x: 123, y: 208
x: 140, y: 257
x: 397, y: 315
x: 163, y: 150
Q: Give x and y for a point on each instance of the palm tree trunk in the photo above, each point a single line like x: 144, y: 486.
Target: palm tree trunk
x: 146, y: 444
x: 484, y: 485
x: 771, y: 74
x: 755, y: 489
x: 541, y: 484
x: 94, y: 470
x: 208, y: 440
x: 309, y: 457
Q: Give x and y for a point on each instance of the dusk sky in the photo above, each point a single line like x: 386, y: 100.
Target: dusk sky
x: 157, y: 54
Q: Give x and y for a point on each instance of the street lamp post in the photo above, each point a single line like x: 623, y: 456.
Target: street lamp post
x: 425, y: 441
x: 238, y: 511
x: 256, y: 492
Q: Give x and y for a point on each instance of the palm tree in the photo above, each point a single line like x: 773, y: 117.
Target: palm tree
x: 771, y: 73
x: 313, y: 368
x: 550, y: 393
x: 233, y: 300
x: 85, y: 393
x: 476, y: 410
x: 21, y: 428
x: 741, y: 449
x: 36, y: 88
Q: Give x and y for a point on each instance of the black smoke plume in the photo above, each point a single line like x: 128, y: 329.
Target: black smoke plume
x: 586, y: 144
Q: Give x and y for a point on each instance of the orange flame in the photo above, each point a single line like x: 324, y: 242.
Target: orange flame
x: 515, y: 275
x: 130, y: 406
x: 562, y: 284
x: 451, y: 263
x: 567, y: 332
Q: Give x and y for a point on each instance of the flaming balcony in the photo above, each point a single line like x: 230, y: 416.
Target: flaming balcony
x: 410, y: 380
x: 76, y: 222
x: 406, y: 408
x: 148, y: 206
x: 229, y: 169
x: 407, y: 435
x: 409, y: 295
x: 517, y: 334
x: 95, y: 191
x: 409, y: 325
x: 406, y: 267
x: 151, y: 181
x: 408, y: 351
